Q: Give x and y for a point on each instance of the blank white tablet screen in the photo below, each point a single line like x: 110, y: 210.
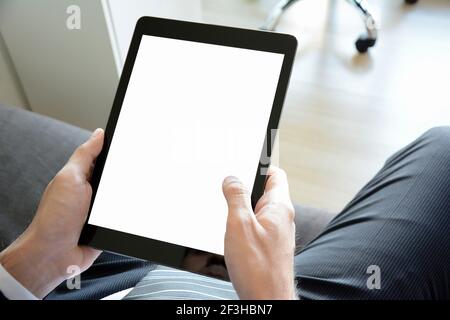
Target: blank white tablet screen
x: 193, y: 114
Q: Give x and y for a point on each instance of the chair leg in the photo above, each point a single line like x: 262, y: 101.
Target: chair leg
x: 363, y: 43
x: 276, y: 13
x: 369, y: 39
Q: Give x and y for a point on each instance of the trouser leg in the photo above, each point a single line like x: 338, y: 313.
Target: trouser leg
x: 399, y: 224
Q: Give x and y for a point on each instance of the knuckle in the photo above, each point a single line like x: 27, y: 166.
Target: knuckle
x: 281, y: 173
x: 262, y: 203
x: 270, y: 207
x: 245, y: 219
x: 88, y: 189
x: 62, y: 176
x: 271, y: 223
x: 238, y: 220
x: 67, y: 176
x: 278, y: 171
x: 282, y: 209
x: 236, y: 189
x: 82, y: 150
x: 290, y: 212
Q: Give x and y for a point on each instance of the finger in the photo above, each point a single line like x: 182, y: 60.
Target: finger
x: 89, y: 256
x: 84, y: 156
x: 276, y: 180
x: 237, y: 196
x: 276, y: 190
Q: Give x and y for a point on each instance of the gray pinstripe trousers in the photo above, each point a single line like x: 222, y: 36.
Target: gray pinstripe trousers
x: 399, y: 222
x: 392, y: 241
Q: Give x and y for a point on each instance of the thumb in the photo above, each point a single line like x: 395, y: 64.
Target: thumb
x: 84, y: 156
x: 236, y: 195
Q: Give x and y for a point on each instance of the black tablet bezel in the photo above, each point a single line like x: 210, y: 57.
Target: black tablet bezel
x: 154, y: 250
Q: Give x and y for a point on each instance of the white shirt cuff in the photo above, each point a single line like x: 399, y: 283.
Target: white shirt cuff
x: 12, y: 289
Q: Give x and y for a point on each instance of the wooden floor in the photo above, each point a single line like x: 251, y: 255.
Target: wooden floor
x: 346, y: 113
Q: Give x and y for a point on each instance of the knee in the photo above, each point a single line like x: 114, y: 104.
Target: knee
x: 440, y: 137
x: 437, y: 141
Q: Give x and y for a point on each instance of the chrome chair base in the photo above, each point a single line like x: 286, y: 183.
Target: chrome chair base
x: 362, y: 44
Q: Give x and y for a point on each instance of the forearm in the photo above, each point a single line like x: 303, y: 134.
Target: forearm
x: 278, y: 285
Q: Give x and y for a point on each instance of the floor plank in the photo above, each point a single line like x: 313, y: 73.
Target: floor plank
x: 346, y: 113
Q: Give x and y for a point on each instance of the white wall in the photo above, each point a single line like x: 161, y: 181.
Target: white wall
x: 123, y: 15
x: 72, y: 75
x: 67, y: 74
x: 10, y: 90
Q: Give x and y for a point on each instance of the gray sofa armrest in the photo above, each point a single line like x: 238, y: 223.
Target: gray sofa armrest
x: 33, y: 148
x: 309, y: 223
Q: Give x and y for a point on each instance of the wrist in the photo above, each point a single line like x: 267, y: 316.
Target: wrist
x: 28, y: 262
x: 283, y: 287
x: 281, y: 290
x: 288, y: 293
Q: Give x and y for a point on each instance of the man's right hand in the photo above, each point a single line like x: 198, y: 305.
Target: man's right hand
x: 259, y: 246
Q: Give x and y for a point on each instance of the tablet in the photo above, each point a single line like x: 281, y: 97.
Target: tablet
x: 195, y: 104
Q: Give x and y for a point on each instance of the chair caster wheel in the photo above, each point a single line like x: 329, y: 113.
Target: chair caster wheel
x: 410, y: 1
x: 363, y: 44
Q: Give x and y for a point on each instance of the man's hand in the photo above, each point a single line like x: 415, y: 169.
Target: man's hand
x: 259, y: 246
x: 39, y: 258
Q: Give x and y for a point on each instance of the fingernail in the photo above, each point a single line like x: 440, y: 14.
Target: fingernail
x: 231, y: 179
x: 96, y: 132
